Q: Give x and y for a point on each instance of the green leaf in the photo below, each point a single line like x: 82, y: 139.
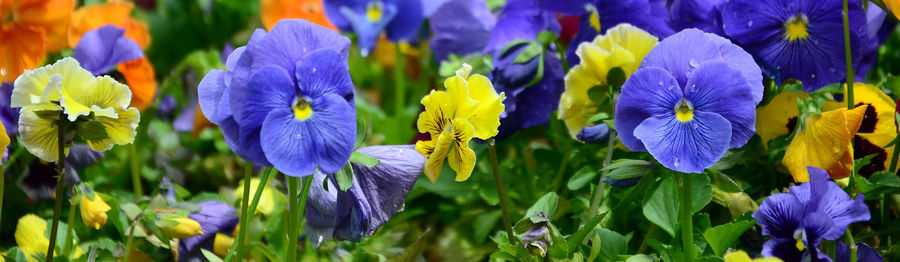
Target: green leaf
x: 627, y: 169
x: 574, y: 241
x: 723, y: 182
x: 210, y: 256
x: 722, y: 237
x: 582, y: 178
x: 412, y: 252
x: 91, y: 130
x: 661, y: 205
x: 543, y: 209
x: 539, y: 74
x: 363, y: 159
x: 484, y: 223
x: 609, y: 243
x: 598, y: 117
x: 344, y: 177
x: 530, y: 52
x: 701, y: 191
x: 615, y: 77
x: 878, y: 183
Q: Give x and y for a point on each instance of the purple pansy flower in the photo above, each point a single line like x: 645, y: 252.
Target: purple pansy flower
x: 286, y: 99
x: 214, y: 217
x: 460, y: 27
x: 526, y: 106
x: 39, y: 181
x: 595, y: 134
x: 693, y: 98
x: 520, y: 20
x: 705, y: 15
x: 812, y: 211
x: 377, y: 194
x: 864, y: 253
x: 879, y: 28
x: 400, y: 19
x: 800, y: 40
x: 8, y: 115
x: 102, y: 49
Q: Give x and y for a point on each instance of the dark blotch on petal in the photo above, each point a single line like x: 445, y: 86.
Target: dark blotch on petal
x: 869, y: 119
x: 862, y: 148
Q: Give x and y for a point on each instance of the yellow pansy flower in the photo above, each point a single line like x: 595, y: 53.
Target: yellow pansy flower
x: 98, y: 107
x: 622, y: 46
x: 221, y: 244
x: 469, y: 108
x: 30, y: 236
x: 185, y: 228
x: 825, y: 144
x: 93, y: 211
x: 778, y: 117
x: 266, y: 199
x: 877, y: 128
x: 741, y: 256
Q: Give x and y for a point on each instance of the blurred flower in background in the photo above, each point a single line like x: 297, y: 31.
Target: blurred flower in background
x: 520, y: 20
x: 29, y: 29
x: 214, y: 218
x: 271, y: 11
x: 399, y: 19
x: 460, y: 27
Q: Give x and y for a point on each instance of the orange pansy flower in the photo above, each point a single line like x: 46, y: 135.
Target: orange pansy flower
x: 140, y: 76
x: 28, y: 30
x: 116, y: 13
x: 273, y: 10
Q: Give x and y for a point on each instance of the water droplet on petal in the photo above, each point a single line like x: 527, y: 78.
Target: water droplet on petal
x: 750, y: 24
x: 694, y: 88
x: 660, y: 83
x: 297, y: 136
x: 677, y: 162
x: 813, y: 75
x: 670, y: 87
x: 371, y: 233
x: 694, y: 63
x: 832, y: 70
x: 688, y: 74
x: 402, y: 207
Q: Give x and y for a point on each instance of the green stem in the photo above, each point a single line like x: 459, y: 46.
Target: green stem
x: 237, y: 247
x: 263, y: 182
x: 850, y: 101
x: 399, y: 81
x: 562, y: 56
x: 557, y: 181
x: 610, y: 145
x: 2, y: 188
x: 16, y: 153
x: 893, y: 166
x: 130, y: 241
x: 291, y: 247
x: 67, y: 250
x: 60, y: 174
x: 687, y: 223
x: 852, y: 244
x: 504, y: 206
x: 135, y: 171
x: 650, y: 232
x: 304, y: 196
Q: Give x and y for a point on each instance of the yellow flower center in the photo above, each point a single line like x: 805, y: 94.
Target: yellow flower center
x: 595, y: 21
x: 374, y: 11
x: 795, y: 28
x: 684, y: 111
x: 301, y: 108
x: 800, y: 245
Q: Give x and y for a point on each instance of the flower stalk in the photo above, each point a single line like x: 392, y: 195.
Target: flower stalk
x: 237, y: 247
x: 67, y: 248
x: 295, y: 212
x: 135, y: 170
x: 687, y: 223
x: 846, y: 19
x: 60, y: 174
x: 399, y: 81
x: 504, y: 206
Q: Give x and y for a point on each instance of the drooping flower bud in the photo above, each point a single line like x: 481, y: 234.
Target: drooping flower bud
x: 185, y: 228
x: 93, y: 211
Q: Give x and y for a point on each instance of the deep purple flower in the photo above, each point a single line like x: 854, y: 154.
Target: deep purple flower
x: 102, y: 49
x: 520, y: 20
x: 864, y: 253
x: 693, y: 98
x: 377, y: 194
x: 800, y: 40
x: 214, y: 217
x: 594, y: 134
x: 705, y: 15
x: 460, y: 27
x: 879, y: 28
x: 812, y: 211
x: 8, y: 115
x: 39, y: 181
x: 286, y: 99
x: 526, y: 106
x: 400, y: 19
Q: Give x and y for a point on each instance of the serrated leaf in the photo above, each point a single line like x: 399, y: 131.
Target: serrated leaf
x: 91, y: 130
x: 583, y: 177
x: 722, y: 237
x: 344, y: 177
x: 363, y: 159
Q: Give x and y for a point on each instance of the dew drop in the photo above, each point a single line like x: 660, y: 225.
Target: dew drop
x: 750, y: 24
x: 813, y: 75
x: 670, y: 88
x: 660, y: 83
x: 694, y: 63
x: 687, y: 74
x: 371, y: 233
x: 297, y: 136
x: 314, y: 69
x: 402, y: 207
x: 694, y: 88
x: 677, y: 162
x: 833, y: 71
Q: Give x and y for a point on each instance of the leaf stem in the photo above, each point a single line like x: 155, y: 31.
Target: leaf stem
x: 504, y: 206
x: 610, y: 145
x: 135, y: 170
x: 60, y: 174
x: 130, y: 241
x: 67, y: 250
x: 295, y: 212
x: 399, y: 81
x: 687, y: 223
x: 852, y: 244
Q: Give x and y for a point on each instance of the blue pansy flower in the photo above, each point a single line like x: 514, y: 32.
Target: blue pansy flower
x: 705, y: 15
x: 8, y: 115
x: 520, y: 20
x: 377, y: 194
x: 595, y: 134
x: 102, y: 49
x: 864, y: 253
x: 878, y: 27
x: 599, y: 15
x: 798, y: 221
x: 400, y: 19
x: 286, y: 99
x: 460, y: 27
x: 800, y: 40
x: 214, y: 217
x: 693, y: 98
x: 526, y: 106
x: 39, y: 181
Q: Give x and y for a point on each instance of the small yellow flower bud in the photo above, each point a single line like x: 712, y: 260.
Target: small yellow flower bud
x: 221, y: 244
x: 737, y: 203
x: 185, y: 228
x: 93, y: 212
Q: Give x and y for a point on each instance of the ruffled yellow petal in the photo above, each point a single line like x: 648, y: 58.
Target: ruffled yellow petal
x: 486, y: 118
x: 185, y: 228
x: 435, y: 161
x: 825, y: 144
x: 426, y: 147
x: 773, y: 118
x: 30, y: 236
x: 93, y: 211
x: 437, y: 114
x: 741, y: 256
x: 39, y: 135
x: 877, y: 128
x: 120, y: 131
x: 266, y: 199
x: 636, y: 41
x: 461, y: 103
x: 4, y: 139
x: 574, y: 105
x: 462, y: 158
x: 103, y: 99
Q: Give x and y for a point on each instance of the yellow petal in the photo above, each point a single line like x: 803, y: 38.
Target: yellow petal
x: 121, y: 130
x: 461, y: 104
x: 426, y: 147
x: 435, y: 162
x: 575, y: 105
x: 185, y: 228
x: 437, y: 113
x: 221, y: 244
x: 31, y: 87
x: 93, y: 211
x: 4, y: 139
x: 30, y: 236
x: 636, y: 41
x: 741, y: 256
x: 774, y: 117
x: 39, y: 135
x: 462, y: 158
x: 104, y: 98
x: 486, y: 117
x: 266, y: 199
x: 825, y: 144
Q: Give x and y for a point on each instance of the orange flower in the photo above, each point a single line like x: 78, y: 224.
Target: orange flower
x: 140, y: 76
x: 893, y: 6
x: 28, y: 30
x: 273, y: 10
x: 116, y: 13
x: 200, y: 122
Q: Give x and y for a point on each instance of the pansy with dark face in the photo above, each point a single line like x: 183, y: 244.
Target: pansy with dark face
x: 800, y: 40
